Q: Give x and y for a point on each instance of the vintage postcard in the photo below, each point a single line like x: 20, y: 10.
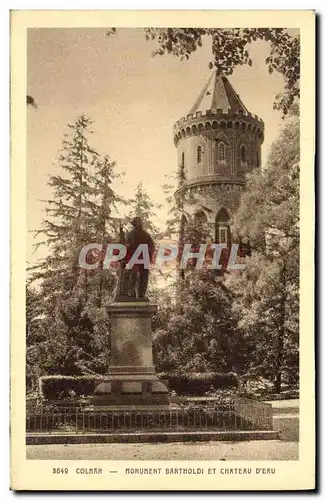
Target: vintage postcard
x: 162, y: 325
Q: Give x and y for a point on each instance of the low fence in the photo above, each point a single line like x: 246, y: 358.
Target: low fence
x: 239, y: 415
x: 256, y: 412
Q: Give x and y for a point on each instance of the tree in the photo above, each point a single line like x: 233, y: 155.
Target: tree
x: 267, y: 293
x: 104, y: 200
x: 270, y: 203
x: 196, y: 333
x: 34, y: 336
x: 230, y: 48
x: 67, y: 223
x: 194, y: 328
x: 104, y: 226
x: 174, y: 212
x: 194, y: 230
x: 143, y: 206
x: 176, y: 220
x: 74, y: 298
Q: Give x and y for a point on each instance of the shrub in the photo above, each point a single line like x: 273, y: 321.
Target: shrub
x: 199, y: 384
x: 54, y: 387
x: 33, y: 402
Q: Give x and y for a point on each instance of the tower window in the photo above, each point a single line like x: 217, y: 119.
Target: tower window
x: 181, y: 173
x: 199, y: 154
x: 243, y: 154
x: 222, y: 153
x: 223, y: 234
x: 222, y: 227
x: 200, y: 218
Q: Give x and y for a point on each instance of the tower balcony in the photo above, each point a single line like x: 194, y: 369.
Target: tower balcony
x: 201, y: 185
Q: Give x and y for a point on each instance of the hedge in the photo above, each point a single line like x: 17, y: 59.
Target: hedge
x: 54, y: 387
x: 198, y: 384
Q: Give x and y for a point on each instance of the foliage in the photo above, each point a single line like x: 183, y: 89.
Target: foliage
x: 243, y: 322
x: 58, y: 387
x: 208, y: 325
x: 193, y: 329
x: 198, y: 384
x: 174, y: 211
x: 267, y: 292
x: 68, y: 325
x: 143, y: 206
x: 71, y: 334
x: 35, y: 335
x: 195, y: 332
x: 271, y: 200
x: 63, y: 387
x: 230, y: 48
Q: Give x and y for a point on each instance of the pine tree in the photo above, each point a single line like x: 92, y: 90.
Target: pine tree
x: 143, y: 206
x: 66, y: 227
x: 74, y: 298
x: 34, y: 336
x: 174, y: 212
x: 101, y: 205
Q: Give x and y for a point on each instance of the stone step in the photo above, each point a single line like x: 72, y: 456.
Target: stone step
x: 149, y: 437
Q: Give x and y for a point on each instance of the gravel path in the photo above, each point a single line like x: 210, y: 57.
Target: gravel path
x: 220, y: 450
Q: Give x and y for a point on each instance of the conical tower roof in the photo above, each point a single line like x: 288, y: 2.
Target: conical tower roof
x: 218, y: 96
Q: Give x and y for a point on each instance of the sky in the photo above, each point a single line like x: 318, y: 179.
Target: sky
x: 133, y: 98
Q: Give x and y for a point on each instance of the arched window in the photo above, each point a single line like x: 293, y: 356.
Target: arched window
x: 243, y: 156
x: 200, y: 218
x: 181, y: 172
x: 184, y: 220
x: 223, y: 234
x: 183, y: 160
x: 222, y: 227
x: 222, y: 152
x: 199, y: 154
x: 183, y: 225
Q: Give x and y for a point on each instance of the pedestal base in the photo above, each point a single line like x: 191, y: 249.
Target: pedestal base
x: 128, y: 392
x: 131, y: 380
x: 130, y: 386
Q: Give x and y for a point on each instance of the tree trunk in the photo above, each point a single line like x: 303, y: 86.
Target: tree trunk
x: 280, y: 336
x: 181, y: 240
x: 277, y: 382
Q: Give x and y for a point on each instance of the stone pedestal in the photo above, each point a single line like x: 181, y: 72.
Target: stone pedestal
x: 131, y: 379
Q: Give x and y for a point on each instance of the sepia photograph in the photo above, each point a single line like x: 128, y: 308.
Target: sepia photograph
x: 163, y: 258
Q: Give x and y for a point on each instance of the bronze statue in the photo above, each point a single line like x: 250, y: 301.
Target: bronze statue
x: 133, y: 283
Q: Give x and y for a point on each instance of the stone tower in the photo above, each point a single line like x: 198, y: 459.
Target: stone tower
x: 218, y: 142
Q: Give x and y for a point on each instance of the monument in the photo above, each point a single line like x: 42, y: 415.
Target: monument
x: 131, y: 379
